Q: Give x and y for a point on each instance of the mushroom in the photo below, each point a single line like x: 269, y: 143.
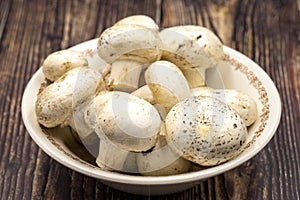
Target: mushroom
x: 131, y: 123
x: 205, y: 130
x: 161, y: 160
x: 167, y: 83
x: 196, y: 45
x: 142, y: 20
x: 56, y: 102
x: 124, y: 75
x: 58, y: 63
x: 242, y: 103
x: 191, y: 47
x: 129, y: 41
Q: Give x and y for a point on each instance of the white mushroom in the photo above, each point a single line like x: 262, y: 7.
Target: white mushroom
x: 242, y: 103
x: 124, y: 75
x: 162, y: 160
x: 55, y: 103
x: 142, y: 20
x: 205, y: 130
x: 58, y: 63
x: 167, y: 83
x: 191, y: 46
x: 128, y: 121
x: 134, y: 42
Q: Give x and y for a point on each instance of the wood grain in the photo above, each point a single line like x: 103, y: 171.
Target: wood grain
x: 267, y: 31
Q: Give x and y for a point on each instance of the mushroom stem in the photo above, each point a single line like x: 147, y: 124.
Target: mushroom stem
x: 124, y: 75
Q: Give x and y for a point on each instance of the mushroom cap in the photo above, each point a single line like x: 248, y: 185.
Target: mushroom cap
x: 128, y: 121
x: 242, y: 103
x: 142, y: 20
x: 55, y: 103
x: 205, y: 130
x: 191, y: 46
x: 134, y: 42
x: 58, y: 63
x: 167, y: 83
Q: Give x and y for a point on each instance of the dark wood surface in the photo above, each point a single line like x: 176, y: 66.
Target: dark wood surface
x: 267, y: 31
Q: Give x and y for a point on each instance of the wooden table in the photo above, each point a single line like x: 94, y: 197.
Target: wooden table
x: 266, y: 31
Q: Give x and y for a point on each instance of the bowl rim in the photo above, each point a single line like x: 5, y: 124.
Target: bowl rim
x: 35, y: 131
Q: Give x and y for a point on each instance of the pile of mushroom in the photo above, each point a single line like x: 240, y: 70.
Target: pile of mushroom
x: 147, y: 105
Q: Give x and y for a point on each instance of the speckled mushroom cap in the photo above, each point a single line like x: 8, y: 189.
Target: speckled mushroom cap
x: 242, y: 103
x: 55, y: 103
x: 59, y: 62
x: 205, y: 131
x: 129, y: 41
x: 191, y: 46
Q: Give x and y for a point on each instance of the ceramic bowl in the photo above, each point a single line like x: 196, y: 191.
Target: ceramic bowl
x: 236, y: 72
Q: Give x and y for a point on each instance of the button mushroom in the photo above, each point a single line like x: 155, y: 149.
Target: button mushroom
x: 55, y: 103
x: 167, y: 83
x: 129, y: 41
x: 191, y: 47
x: 129, y: 122
x: 205, y: 130
x: 242, y: 103
x: 58, y: 63
x: 195, y: 44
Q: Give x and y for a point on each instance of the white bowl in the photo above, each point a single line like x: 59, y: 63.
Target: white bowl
x: 242, y: 74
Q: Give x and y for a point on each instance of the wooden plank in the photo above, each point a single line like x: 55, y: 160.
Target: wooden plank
x: 266, y: 31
